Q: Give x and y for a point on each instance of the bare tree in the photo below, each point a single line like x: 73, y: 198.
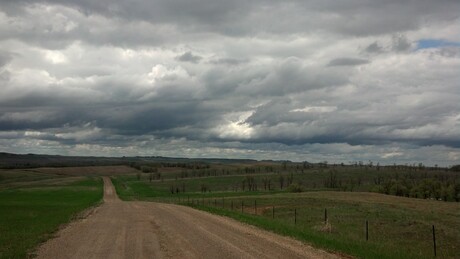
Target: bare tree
x: 281, y: 181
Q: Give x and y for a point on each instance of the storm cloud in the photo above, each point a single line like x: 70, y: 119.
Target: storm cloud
x: 323, y: 81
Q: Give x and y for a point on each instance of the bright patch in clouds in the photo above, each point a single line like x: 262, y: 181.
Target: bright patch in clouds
x: 235, y: 126
x: 55, y: 57
x: 316, y: 109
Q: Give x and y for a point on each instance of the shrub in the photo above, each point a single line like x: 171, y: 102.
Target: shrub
x: 295, y: 188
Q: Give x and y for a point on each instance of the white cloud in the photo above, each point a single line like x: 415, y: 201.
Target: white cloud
x: 316, y: 109
x: 234, y: 126
x: 55, y: 57
x: 164, y: 73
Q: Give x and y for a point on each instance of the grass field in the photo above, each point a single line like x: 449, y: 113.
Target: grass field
x: 33, y: 205
x: 399, y: 227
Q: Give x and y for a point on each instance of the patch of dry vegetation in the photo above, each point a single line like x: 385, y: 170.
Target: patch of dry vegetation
x: 89, y: 170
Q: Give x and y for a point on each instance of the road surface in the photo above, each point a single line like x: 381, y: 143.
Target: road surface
x: 119, y: 229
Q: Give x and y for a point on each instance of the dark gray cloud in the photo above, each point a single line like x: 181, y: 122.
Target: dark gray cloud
x: 347, y: 62
x: 149, y: 22
x: 325, y: 80
x: 374, y: 48
x: 228, y: 61
x: 5, y: 58
x: 400, y: 43
x: 189, y: 57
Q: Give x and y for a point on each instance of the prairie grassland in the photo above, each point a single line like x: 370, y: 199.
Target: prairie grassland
x: 87, y: 170
x: 33, y: 205
x: 399, y: 227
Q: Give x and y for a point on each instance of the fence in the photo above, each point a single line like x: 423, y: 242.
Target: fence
x: 245, y: 206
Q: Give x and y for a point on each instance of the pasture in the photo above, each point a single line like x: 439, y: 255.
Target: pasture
x: 34, y: 204
x: 398, y: 227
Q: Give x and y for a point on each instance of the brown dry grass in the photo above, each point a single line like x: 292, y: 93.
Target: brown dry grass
x: 368, y: 197
x: 88, y: 170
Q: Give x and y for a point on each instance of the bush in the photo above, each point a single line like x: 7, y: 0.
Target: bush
x: 295, y: 188
x: 455, y: 168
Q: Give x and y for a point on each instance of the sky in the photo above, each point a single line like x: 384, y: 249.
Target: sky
x: 320, y: 80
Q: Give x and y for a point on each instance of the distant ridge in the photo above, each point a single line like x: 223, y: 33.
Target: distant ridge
x: 10, y: 160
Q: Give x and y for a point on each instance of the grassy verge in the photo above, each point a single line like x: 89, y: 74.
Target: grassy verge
x: 30, y: 215
x: 398, y: 227
x: 317, y: 239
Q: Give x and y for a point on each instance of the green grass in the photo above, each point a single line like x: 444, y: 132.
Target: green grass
x: 398, y: 227
x: 30, y: 215
x: 318, y: 239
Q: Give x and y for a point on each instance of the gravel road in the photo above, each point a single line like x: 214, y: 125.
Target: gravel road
x: 119, y: 229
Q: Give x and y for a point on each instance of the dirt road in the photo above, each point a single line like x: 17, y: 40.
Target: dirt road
x: 120, y: 229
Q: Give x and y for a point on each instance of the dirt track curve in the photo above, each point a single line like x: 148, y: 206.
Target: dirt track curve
x: 119, y: 229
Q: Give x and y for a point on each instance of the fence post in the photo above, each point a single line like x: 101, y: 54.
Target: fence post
x: 295, y: 216
x: 255, y: 207
x: 215, y: 202
x: 273, y: 214
x: 242, y: 205
x: 434, y: 242
x: 325, y: 216
x: 367, y: 230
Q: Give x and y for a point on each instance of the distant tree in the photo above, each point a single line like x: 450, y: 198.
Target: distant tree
x: 252, y: 185
x: 151, y: 177
x: 331, y: 181
x: 284, y: 165
x: 455, y: 168
x: 281, y: 181
x: 305, y: 164
x: 265, y: 182
x: 204, y: 188
x: 290, y: 179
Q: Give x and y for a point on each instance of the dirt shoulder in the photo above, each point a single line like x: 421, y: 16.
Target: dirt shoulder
x: 120, y: 229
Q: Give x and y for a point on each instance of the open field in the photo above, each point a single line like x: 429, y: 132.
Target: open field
x: 88, y: 170
x: 399, y: 227
x: 33, y: 205
x: 286, y: 198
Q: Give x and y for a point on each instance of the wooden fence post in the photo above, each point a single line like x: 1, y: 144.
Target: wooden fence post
x: 367, y: 230
x: 325, y: 216
x: 434, y: 241
x: 295, y: 216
